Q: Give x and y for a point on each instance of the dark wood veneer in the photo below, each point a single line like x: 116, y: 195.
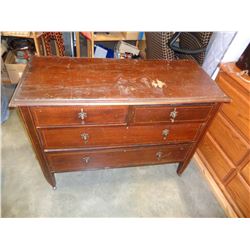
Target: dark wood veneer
x: 97, y: 113
x: 114, y: 136
x: 113, y: 158
x: 162, y: 114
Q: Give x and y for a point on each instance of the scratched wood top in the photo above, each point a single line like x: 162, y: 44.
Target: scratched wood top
x: 88, y: 81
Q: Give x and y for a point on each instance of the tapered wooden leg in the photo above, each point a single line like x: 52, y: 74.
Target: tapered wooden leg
x: 181, y: 167
x: 50, y: 177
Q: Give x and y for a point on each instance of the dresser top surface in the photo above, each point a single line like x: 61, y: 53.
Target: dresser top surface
x: 87, y: 81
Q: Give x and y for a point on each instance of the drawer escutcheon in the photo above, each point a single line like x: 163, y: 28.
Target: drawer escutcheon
x: 173, y: 115
x: 159, y: 155
x: 86, y: 159
x: 165, y: 133
x: 82, y: 115
x: 85, y: 137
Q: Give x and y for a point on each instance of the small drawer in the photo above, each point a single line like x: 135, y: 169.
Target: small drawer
x: 118, y: 135
x: 79, y: 115
x: 115, y: 158
x: 170, y: 114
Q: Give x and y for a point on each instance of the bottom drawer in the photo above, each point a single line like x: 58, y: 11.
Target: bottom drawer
x: 114, y: 158
x: 239, y: 190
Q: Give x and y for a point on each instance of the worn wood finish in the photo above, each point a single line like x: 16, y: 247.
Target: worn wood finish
x: 160, y: 114
x: 29, y: 125
x: 115, y: 136
x: 98, y: 113
x: 110, y: 158
x: 61, y: 116
x: 182, y: 166
x: 225, y: 149
x: 72, y: 81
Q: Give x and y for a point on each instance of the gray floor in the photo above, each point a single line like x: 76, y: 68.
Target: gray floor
x: 153, y: 191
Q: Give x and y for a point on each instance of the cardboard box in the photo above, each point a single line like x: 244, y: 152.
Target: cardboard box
x: 14, y: 70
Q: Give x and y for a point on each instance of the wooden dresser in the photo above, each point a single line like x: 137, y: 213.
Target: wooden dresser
x: 102, y: 113
x: 225, y: 149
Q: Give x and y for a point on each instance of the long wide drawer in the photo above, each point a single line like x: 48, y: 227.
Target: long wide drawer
x: 114, y: 158
x: 160, y: 114
x: 79, y: 115
x: 118, y: 135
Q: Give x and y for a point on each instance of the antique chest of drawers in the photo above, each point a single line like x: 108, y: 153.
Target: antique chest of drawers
x: 84, y: 114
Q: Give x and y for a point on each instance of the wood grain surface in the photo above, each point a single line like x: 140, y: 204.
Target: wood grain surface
x: 86, y: 113
x: 72, y: 81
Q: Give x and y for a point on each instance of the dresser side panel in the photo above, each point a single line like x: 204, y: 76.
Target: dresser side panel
x: 34, y: 138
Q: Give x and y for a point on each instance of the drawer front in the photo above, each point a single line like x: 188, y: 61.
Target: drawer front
x: 118, y: 135
x: 80, y: 160
x: 235, y: 147
x: 79, y: 115
x: 240, y: 193
x: 245, y: 172
x: 238, y: 109
x: 215, y: 158
x: 158, y: 114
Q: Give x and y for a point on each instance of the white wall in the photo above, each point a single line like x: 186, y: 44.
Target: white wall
x: 237, y: 47
x: 224, y: 47
x: 216, y: 49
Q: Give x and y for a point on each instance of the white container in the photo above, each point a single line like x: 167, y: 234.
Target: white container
x: 124, y: 47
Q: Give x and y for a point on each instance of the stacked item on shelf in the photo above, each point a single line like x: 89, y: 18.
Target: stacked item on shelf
x: 4, y: 73
x: 101, y: 51
x: 20, y: 52
x: 122, y: 50
x: 126, y: 51
x: 22, y: 48
x: 16, y: 33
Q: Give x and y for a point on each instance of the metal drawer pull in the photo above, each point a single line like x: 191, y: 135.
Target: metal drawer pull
x: 173, y: 115
x: 86, y: 159
x: 165, y: 133
x: 159, y: 155
x: 85, y: 137
x: 82, y: 115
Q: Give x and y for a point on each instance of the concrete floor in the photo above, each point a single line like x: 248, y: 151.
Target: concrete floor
x: 152, y: 191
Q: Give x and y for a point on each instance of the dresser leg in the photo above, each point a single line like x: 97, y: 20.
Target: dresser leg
x: 50, y: 177
x: 181, y: 167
